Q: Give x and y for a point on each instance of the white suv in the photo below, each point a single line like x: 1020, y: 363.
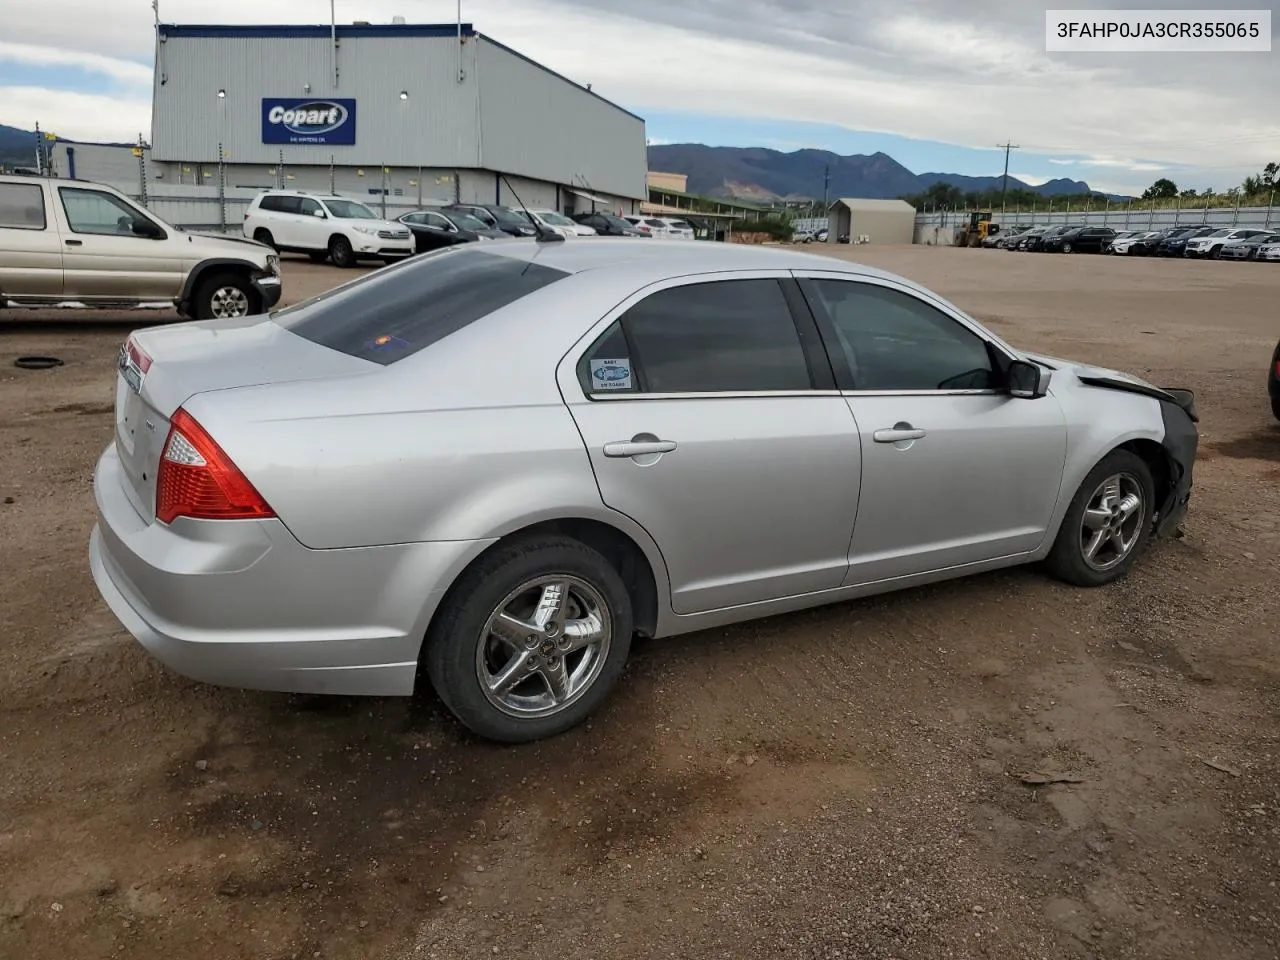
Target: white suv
x: 323, y: 226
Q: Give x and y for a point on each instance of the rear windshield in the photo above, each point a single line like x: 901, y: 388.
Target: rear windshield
x: 394, y: 312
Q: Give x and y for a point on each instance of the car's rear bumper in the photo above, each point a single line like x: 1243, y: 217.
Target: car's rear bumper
x: 241, y: 603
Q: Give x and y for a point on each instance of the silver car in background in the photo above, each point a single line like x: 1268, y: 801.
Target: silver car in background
x: 488, y: 467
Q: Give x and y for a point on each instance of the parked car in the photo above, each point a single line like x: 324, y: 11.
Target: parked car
x: 1211, y: 244
x: 324, y: 227
x: 1273, y: 382
x: 559, y: 223
x: 77, y: 242
x: 1010, y: 240
x: 1035, y: 241
x: 332, y: 500
x: 609, y: 225
x: 496, y: 217
x: 678, y: 229
x: 1078, y: 240
x: 1268, y: 251
x: 1132, y: 242
x: 1248, y: 249
x: 823, y: 235
x: 433, y: 229
x: 1175, y: 242
x: 650, y: 226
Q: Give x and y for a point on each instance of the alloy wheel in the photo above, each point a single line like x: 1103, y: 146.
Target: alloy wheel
x: 543, y: 646
x: 1113, y: 521
x: 228, y: 302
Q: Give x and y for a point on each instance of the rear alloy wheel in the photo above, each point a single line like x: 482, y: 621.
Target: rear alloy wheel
x: 1066, y: 248
x: 531, y: 640
x: 262, y: 235
x: 340, y: 252
x: 1108, y: 523
x: 224, y: 297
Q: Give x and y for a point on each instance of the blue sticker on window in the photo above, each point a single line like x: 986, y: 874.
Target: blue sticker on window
x: 611, y: 374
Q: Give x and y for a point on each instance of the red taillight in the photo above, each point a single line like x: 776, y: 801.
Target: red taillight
x: 141, y: 359
x: 1278, y: 369
x: 197, y: 479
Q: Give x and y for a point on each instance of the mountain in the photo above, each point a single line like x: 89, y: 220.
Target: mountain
x: 758, y: 173
x: 17, y: 147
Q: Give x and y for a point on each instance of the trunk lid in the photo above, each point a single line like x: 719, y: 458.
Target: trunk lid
x: 171, y: 364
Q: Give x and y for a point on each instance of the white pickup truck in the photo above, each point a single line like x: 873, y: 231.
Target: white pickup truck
x: 74, y: 243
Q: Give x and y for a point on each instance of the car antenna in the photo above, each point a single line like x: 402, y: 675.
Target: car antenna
x: 542, y: 234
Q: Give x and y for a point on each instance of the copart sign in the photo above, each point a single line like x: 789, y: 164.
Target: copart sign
x: 306, y: 120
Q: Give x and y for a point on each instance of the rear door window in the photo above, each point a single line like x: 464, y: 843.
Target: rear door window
x: 725, y: 335
x: 397, y: 311
x: 21, y: 206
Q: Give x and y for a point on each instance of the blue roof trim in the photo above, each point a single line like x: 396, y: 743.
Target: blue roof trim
x: 311, y: 31
x: 558, y: 76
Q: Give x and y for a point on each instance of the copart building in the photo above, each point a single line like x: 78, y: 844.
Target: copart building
x: 405, y: 112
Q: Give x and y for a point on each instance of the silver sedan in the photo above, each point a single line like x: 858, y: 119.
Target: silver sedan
x: 488, y: 468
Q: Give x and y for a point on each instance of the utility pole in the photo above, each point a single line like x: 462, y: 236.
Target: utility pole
x: 826, y: 185
x: 1004, y: 186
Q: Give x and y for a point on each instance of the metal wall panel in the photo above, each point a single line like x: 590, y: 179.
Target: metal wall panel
x: 507, y: 114
x: 436, y: 125
x: 542, y: 126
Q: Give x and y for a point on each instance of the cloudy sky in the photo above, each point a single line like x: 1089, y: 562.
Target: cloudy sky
x: 934, y: 83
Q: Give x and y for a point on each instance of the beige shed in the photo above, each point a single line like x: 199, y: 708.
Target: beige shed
x: 880, y: 221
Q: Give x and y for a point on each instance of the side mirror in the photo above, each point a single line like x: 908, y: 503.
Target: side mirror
x: 145, y: 229
x: 1027, y: 380
x: 318, y: 213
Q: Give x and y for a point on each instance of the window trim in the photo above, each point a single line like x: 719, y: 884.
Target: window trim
x: 571, y: 386
x: 1001, y: 353
x: 62, y: 191
x: 44, y: 208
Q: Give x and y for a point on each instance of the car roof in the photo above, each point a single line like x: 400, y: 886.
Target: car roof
x: 677, y: 258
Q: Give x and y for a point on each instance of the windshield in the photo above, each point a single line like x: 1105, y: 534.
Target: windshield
x: 349, y: 210
x: 467, y: 222
x: 556, y: 219
x: 1220, y: 233
x: 617, y: 222
x: 503, y: 215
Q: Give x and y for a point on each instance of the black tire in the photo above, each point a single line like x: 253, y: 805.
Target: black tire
x: 341, y: 254
x: 1216, y: 253
x: 450, y: 651
x: 318, y: 256
x: 1066, y: 560
x: 1275, y: 407
x: 1066, y: 248
x: 214, y: 296
x: 263, y: 235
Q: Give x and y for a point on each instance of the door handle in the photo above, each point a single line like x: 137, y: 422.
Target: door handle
x: 637, y: 448
x: 897, y: 433
x: 75, y: 243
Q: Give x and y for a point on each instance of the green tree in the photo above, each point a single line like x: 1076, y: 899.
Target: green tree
x: 1252, y: 186
x: 1162, y: 189
x: 1271, y: 175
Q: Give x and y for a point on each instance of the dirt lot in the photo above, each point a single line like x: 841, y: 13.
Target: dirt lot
x: 841, y: 783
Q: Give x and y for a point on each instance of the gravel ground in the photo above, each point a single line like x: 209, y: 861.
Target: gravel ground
x: 846, y: 782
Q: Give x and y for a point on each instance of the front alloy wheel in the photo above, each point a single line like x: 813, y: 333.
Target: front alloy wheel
x: 1113, y: 521
x: 1107, y: 523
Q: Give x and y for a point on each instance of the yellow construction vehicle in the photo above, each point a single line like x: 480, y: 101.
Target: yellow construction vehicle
x: 980, y: 227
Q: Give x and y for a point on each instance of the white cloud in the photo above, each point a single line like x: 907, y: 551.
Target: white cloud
x: 1034, y: 179
x: 77, y: 116
x: 127, y: 71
